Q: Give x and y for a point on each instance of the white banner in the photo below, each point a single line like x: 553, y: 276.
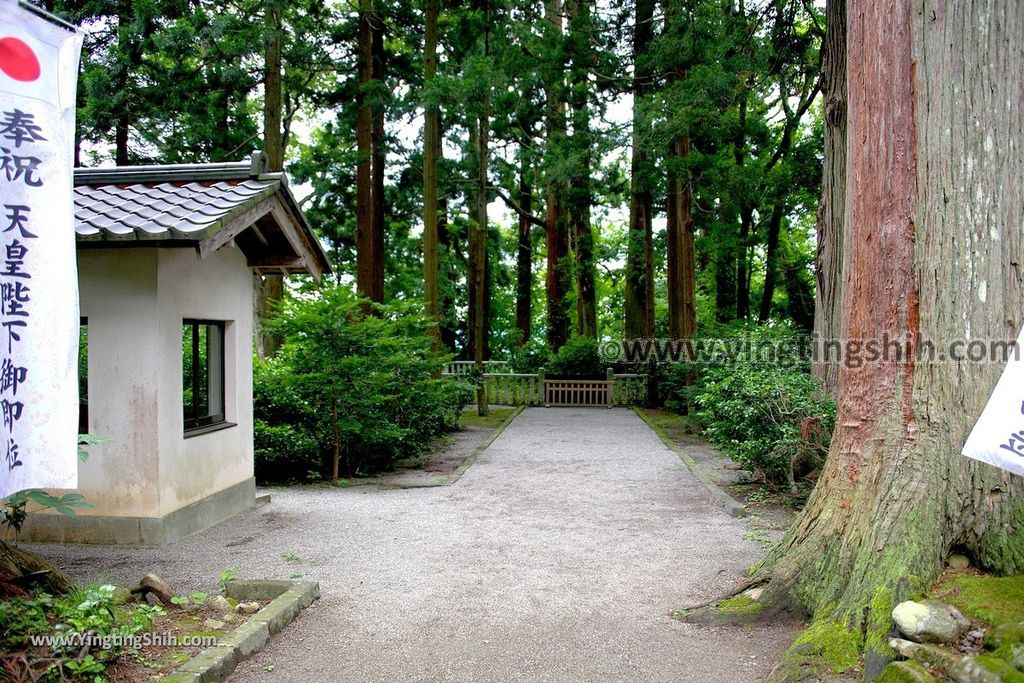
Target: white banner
x: 38, y: 276
x: 998, y: 436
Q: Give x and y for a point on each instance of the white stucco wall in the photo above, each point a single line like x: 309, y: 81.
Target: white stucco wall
x: 135, y: 300
x: 217, y: 288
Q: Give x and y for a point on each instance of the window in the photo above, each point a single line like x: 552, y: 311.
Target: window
x: 83, y: 376
x: 203, y: 373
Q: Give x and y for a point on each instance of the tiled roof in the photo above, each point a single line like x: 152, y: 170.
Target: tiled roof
x: 206, y: 204
x: 166, y: 202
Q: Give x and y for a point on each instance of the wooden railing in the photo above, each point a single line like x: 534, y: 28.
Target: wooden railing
x: 510, y: 389
x: 577, y: 392
x: 520, y: 389
x: 628, y: 389
x: 465, y: 367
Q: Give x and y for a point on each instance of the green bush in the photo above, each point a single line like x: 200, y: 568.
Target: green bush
x: 364, y: 384
x: 580, y: 358
x: 756, y: 415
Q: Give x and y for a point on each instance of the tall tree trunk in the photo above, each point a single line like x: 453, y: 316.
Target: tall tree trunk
x: 638, y: 304
x: 379, y: 147
x: 270, y: 288
x: 479, y: 242
x: 681, y: 256
x: 579, y: 194
x: 273, y: 141
x: 932, y: 247
x: 524, y: 254
x: 746, y: 209
x: 771, y: 255
x: 829, y: 268
x: 559, y: 270
x: 449, y: 334
x: 365, y: 242
x: 431, y: 152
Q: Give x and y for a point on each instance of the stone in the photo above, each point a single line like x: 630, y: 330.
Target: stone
x: 230, y: 618
x: 982, y: 669
x: 931, y: 656
x: 1013, y: 655
x: 213, y: 624
x: 151, y: 583
x: 248, y: 607
x: 958, y: 562
x: 1004, y: 635
x: 905, y: 672
x: 123, y: 595
x: 929, y: 621
x: 219, y: 603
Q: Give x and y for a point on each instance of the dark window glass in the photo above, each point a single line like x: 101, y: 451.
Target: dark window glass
x: 202, y: 345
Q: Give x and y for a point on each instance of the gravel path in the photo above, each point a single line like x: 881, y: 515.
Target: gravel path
x: 558, y: 556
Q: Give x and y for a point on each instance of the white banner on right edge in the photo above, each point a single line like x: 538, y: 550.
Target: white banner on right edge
x: 998, y: 436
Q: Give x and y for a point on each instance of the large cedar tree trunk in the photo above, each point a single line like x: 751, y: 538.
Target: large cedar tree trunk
x: 524, y: 255
x: 681, y: 254
x: 559, y: 267
x: 365, y: 242
x: 431, y: 152
x: 932, y: 245
x: 638, y: 304
x: 829, y: 268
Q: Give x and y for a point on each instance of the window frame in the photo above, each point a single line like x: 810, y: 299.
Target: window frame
x: 198, y: 424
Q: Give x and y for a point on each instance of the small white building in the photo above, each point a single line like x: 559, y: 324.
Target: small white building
x: 166, y: 256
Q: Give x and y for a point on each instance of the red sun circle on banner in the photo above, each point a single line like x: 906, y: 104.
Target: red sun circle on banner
x: 17, y: 59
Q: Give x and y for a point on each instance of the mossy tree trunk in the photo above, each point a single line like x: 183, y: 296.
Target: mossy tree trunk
x: 932, y: 247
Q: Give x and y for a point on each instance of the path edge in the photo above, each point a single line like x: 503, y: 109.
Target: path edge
x: 732, y: 506
x: 217, y: 663
x: 468, y: 462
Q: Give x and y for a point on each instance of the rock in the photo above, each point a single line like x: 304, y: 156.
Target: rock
x: 1013, y: 655
x: 248, y: 607
x: 931, y: 656
x: 958, y: 562
x: 929, y: 621
x: 151, y: 583
x: 213, y: 625
x: 1005, y: 634
x: 230, y: 618
x: 219, y: 603
x: 905, y: 672
x: 982, y: 669
x: 123, y: 595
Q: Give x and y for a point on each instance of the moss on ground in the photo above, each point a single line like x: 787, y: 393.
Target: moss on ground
x: 493, y: 420
x: 741, y: 604
x: 989, y: 599
x: 824, y: 647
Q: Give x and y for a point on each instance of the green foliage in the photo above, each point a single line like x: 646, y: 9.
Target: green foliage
x: 92, y: 622
x: 375, y: 372
x: 226, y: 575
x: 580, y: 358
x: 755, y: 415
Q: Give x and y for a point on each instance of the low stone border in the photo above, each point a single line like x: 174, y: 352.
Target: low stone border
x: 456, y: 474
x: 287, y: 599
x: 731, y: 505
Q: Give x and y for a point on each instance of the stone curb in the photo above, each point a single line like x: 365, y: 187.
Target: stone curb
x: 287, y: 599
x: 449, y: 479
x: 732, y: 506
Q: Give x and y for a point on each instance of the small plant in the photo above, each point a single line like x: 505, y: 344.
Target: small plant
x: 291, y: 558
x: 229, y: 574
x: 198, y: 597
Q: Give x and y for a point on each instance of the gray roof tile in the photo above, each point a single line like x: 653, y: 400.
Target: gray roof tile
x: 165, y: 210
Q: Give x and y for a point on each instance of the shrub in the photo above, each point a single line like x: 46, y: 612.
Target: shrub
x: 347, y: 381
x: 768, y: 419
x: 580, y: 358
